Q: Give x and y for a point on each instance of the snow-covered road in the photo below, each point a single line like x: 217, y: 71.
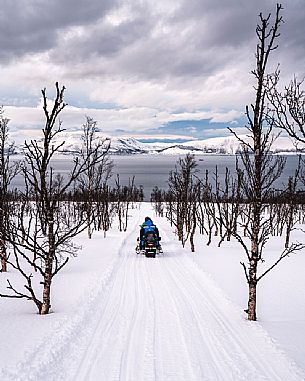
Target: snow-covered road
x: 164, y: 319
x: 159, y: 319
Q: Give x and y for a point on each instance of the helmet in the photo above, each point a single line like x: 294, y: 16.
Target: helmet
x: 147, y: 219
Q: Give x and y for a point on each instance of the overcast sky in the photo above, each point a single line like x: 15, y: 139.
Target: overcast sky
x: 143, y: 68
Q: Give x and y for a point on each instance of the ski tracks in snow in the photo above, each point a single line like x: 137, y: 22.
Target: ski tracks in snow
x: 158, y: 319
x: 166, y: 320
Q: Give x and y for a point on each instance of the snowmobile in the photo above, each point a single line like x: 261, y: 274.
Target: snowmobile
x: 150, y: 246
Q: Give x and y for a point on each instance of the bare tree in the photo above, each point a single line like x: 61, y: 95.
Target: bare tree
x: 291, y: 204
x: 98, y: 167
x: 41, y: 234
x: 288, y: 106
x: 228, y: 202
x: 125, y: 196
x: 207, y: 209
x: 184, y: 190
x: 258, y: 168
x: 8, y: 171
x: 157, y: 198
x: 288, y: 114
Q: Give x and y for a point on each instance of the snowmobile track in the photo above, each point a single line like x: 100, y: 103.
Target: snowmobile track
x: 159, y: 319
x: 168, y: 321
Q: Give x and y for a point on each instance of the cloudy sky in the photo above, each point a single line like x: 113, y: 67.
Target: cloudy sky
x: 153, y: 69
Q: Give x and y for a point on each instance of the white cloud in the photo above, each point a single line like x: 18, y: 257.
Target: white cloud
x: 158, y: 62
x: 30, y: 120
x: 160, y: 137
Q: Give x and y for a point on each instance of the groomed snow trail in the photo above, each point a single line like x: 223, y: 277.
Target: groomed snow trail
x: 161, y: 319
x: 165, y: 320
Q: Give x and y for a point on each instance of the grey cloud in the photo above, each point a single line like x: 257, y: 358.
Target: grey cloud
x: 197, y: 39
x: 293, y: 29
x: 29, y: 26
x: 145, y: 46
x: 222, y: 23
x: 102, y: 40
x: 154, y: 60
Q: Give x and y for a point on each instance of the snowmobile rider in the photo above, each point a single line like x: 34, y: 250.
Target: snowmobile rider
x: 148, y: 226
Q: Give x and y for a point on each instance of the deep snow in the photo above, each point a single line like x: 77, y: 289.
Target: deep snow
x: 118, y: 316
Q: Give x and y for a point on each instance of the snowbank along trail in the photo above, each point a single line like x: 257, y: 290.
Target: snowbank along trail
x: 158, y: 319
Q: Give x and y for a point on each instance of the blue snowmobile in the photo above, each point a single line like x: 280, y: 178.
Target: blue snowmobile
x: 149, y: 240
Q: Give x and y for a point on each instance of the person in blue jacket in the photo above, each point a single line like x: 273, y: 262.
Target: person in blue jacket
x: 148, y: 227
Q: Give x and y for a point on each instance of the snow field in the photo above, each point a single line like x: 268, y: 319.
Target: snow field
x: 119, y: 316
x: 281, y: 294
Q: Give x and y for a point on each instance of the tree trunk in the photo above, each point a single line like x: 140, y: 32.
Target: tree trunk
x: 2, y: 230
x: 289, y: 226
x: 89, y: 231
x: 252, y: 302
x: 193, y: 230
x: 89, y: 222
x: 89, y: 206
x: 46, y: 297
x: 253, y: 267
x: 3, y: 258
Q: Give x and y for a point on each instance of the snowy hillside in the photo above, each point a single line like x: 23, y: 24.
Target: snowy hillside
x: 221, y: 145
x: 179, y: 317
x: 73, y: 143
x: 226, y: 145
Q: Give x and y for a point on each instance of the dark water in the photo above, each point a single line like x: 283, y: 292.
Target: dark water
x: 153, y: 170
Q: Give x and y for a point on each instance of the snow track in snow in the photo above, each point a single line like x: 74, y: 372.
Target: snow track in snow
x: 157, y: 319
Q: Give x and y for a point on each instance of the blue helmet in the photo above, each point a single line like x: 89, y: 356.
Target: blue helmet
x: 148, y: 222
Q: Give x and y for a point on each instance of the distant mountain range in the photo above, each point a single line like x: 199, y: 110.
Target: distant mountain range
x: 123, y: 146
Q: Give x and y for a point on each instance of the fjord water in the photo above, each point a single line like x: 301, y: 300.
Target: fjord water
x: 153, y: 170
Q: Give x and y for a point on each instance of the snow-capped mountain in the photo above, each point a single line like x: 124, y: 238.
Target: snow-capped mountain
x: 221, y: 145
x: 121, y: 146
x: 231, y: 145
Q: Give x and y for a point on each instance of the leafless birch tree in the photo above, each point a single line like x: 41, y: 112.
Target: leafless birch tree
x: 97, y: 168
x: 41, y: 233
x: 8, y: 171
x: 258, y: 168
x: 184, y: 190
